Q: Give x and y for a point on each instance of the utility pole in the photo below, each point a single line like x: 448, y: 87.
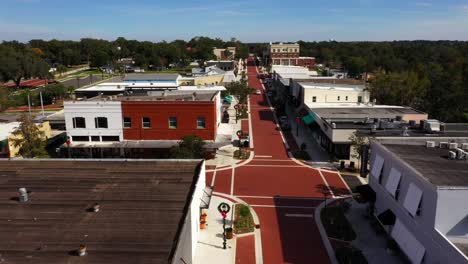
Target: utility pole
x: 29, y: 105
x: 42, y: 104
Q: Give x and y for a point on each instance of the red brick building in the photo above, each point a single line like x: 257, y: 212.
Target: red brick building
x: 141, y: 126
x: 169, y: 120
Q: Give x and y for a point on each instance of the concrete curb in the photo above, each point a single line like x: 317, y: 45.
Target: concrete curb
x: 323, y: 233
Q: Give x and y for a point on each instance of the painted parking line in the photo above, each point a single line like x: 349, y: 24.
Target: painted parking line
x: 279, y: 197
x: 232, y: 180
x: 213, y: 179
x: 280, y: 166
x: 263, y: 156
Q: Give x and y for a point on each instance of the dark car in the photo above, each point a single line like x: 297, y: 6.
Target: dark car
x: 285, y: 126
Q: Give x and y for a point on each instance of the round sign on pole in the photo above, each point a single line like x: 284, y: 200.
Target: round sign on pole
x: 224, y: 208
x: 236, y: 107
x: 298, y: 120
x: 239, y: 133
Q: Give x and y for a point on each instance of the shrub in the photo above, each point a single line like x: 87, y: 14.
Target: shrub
x: 244, y: 211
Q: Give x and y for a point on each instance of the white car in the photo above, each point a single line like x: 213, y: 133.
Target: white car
x: 258, y: 92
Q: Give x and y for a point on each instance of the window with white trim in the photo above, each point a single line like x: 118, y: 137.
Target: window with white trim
x: 79, y: 122
x: 146, y: 122
x: 100, y: 122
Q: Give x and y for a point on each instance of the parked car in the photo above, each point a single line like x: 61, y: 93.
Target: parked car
x: 258, y: 92
x: 283, y: 119
x: 285, y: 126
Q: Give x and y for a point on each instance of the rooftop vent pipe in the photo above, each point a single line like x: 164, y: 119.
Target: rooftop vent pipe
x: 96, y: 207
x: 81, y: 250
x: 23, y: 195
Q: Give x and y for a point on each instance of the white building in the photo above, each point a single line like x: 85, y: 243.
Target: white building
x: 100, y: 121
x: 326, y: 94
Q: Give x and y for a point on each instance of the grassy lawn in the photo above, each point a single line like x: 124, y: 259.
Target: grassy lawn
x: 84, y: 73
x: 336, y: 224
x: 243, y: 220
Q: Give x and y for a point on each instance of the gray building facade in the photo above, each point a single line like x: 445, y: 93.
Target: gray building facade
x: 427, y: 192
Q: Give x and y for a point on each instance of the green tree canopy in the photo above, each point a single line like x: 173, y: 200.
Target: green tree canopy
x: 190, y: 147
x: 29, y: 139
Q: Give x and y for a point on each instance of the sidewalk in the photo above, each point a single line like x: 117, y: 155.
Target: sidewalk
x: 210, y: 243
x: 224, y: 155
x: 316, y: 152
x: 373, y: 246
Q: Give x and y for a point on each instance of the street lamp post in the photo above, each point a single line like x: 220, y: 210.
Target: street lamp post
x: 224, y: 209
x: 298, y: 122
x: 239, y: 134
x: 236, y: 107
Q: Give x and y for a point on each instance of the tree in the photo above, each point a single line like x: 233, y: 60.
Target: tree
x: 227, y: 53
x: 99, y: 58
x: 355, y: 66
x: 17, y: 65
x: 240, y: 90
x: 190, y: 147
x: 29, y: 139
x: 4, y: 100
x: 357, y: 146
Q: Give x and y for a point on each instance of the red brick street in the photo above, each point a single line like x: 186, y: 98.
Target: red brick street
x: 283, y: 192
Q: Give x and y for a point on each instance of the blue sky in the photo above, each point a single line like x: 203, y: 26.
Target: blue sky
x: 250, y: 21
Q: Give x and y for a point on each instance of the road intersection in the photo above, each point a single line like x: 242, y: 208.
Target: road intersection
x: 283, y: 192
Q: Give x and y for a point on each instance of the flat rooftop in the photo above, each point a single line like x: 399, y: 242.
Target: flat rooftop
x: 433, y: 164
x: 330, y: 111
x: 150, y: 76
x: 332, y: 86
x: 206, y: 96
x: 141, y: 204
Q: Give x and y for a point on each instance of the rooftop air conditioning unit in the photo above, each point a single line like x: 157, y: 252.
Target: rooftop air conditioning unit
x: 444, y: 145
x: 430, y: 144
x: 464, y: 146
x: 460, y: 154
x: 452, y: 155
x: 453, y: 145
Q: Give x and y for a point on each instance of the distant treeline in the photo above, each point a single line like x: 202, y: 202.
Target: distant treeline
x: 102, y: 52
x: 431, y: 76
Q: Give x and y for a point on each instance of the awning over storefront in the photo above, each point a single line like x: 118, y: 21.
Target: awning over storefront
x: 206, y: 199
x: 309, y: 119
x: 366, y: 192
x: 387, y: 217
x: 228, y: 99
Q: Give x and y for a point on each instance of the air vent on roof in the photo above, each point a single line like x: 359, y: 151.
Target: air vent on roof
x: 23, y: 195
x: 461, y: 154
x: 444, y: 145
x: 452, y: 155
x: 96, y: 207
x: 81, y: 250
x: 430, y: 144
x: 453, y: 145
